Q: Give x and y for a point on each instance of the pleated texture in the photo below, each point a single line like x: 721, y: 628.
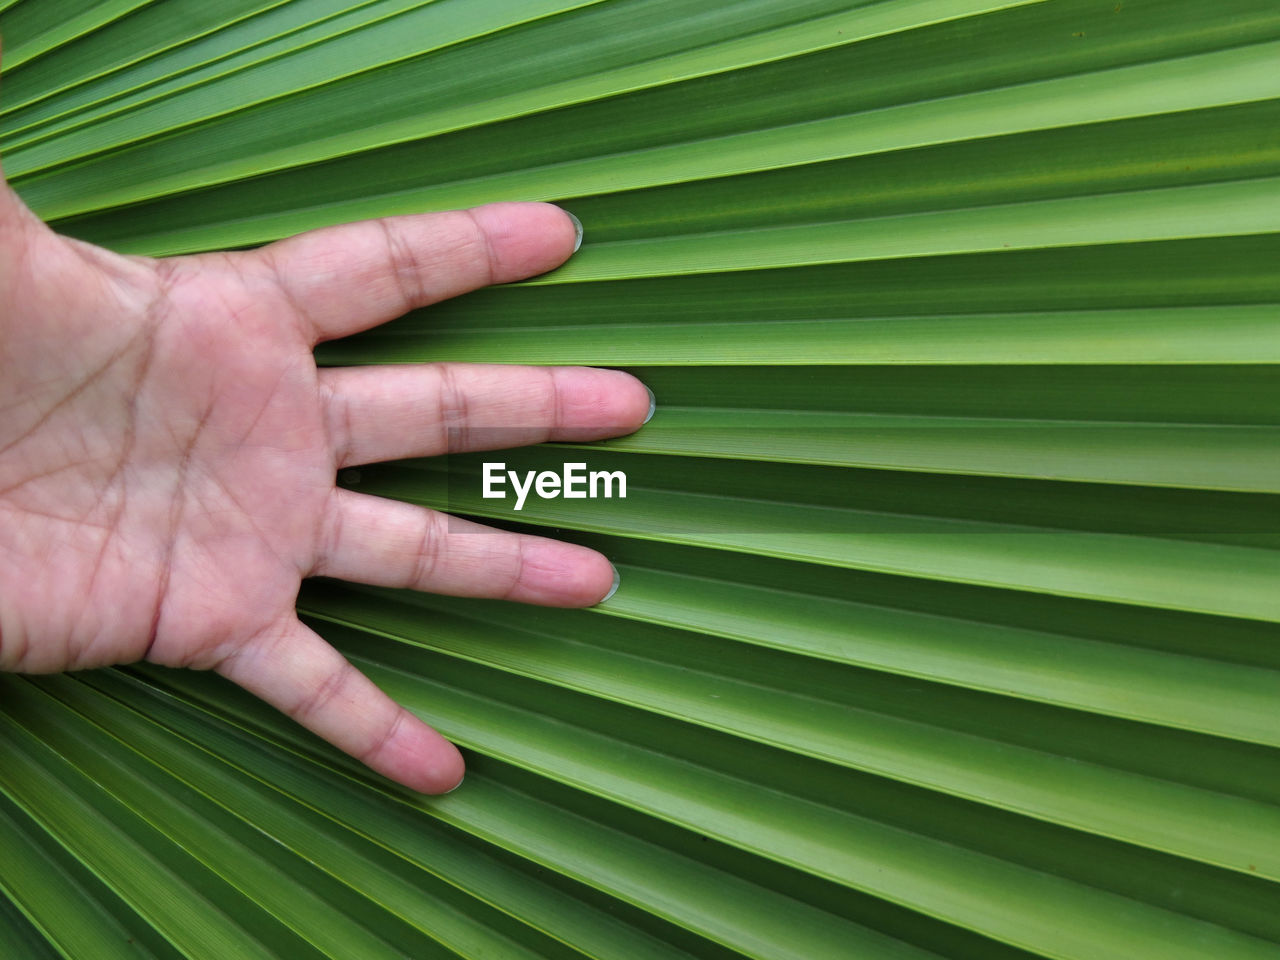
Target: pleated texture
x: 950, y: 567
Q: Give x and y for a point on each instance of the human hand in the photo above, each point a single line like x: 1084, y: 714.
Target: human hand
x: 168, y: 453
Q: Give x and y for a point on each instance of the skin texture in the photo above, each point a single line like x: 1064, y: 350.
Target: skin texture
x: 168, y: 454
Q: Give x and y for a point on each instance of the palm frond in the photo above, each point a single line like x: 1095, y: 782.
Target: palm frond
x: 948, y: 624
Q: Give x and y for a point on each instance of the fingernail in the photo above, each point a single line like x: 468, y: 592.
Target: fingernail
x: 453, y: 788
x: 653, y: 405
x: 577, y: 228
x: 617, y: 578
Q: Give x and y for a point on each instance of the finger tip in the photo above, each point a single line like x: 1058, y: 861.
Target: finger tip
x: 444, y: 773
x: 597, y: 581
x: 640, y: 404
x: 423, y: 760
x: 609, y: 403
x: 617, y: 580
x: 577, y: 230
x: 591, y: 579
x: 449, y: 767
x: 558, y: 574
x: 528, y: 237
x: 447, y: 783
x: 445, y: 769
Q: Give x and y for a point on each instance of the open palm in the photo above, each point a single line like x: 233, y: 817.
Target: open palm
x: 168, y: 452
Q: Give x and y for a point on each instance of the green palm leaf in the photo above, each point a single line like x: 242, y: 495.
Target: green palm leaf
x: 948, y: 620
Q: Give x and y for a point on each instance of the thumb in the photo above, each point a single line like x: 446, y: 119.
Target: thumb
x: 296, y: 671
x: 14, y: 214
x: 25, y: 241
x: 16, y: 221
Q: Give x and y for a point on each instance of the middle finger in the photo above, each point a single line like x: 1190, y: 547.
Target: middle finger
x: 382, y: 413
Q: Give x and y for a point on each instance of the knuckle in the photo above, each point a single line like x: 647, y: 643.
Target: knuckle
x: 519, y: 564
x: 404, y: 267
x: 330, y: 535
x: 318, y: 699
x: 453, y: 406
x: 553, y: 400
x: 372, y: 754
x: 339, y: 426
x: 427, y: 552
x: 478, y: 248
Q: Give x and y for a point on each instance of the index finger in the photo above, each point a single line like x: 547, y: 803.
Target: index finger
x: 341, y: 280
